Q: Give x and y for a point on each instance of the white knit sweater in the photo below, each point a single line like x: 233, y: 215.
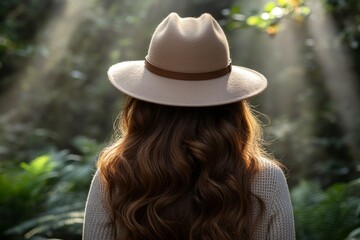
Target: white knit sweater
x: 269, y: 184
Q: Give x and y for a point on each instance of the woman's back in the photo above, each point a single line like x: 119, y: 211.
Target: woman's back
x: 269, y: 184
x: 188, y: 161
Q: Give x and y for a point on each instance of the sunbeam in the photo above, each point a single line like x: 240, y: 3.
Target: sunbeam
x: 54, y: 40
x: 339, y: 78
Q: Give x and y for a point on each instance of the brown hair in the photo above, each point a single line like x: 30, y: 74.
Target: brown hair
x: 183, y: 172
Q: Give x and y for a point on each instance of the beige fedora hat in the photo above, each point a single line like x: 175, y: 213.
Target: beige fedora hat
x: 188, y: 64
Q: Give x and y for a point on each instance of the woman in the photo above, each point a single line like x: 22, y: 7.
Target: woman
x: 188, y: 162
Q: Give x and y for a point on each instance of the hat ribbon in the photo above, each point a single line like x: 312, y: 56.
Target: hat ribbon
x: 187, y: 76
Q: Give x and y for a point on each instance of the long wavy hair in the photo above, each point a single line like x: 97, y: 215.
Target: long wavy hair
x: 183, y: 172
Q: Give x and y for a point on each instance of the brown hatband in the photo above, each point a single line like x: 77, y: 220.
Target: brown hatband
x: 187, y: 76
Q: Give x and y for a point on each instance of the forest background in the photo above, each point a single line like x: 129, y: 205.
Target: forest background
x: 57, y: 107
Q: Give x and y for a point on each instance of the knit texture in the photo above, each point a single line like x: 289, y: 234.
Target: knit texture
x: 269, y: 184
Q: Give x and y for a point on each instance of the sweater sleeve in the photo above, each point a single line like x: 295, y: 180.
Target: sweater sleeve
x: 96, y: 220
x: 281, y: 224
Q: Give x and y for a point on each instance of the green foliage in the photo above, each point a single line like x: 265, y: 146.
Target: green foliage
x: 331, y: 214
x: 354, y: 235
x: 38, y: 166
x: 21, y: 141
x: 46, y: 196
x: 269, y: 18
x: 75, y: 97
x: 21, y: 189
x: 19, y: 24
x: 347, y: 17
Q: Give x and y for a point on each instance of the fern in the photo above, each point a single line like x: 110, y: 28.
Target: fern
x: 69, y: 218
x: 331, y: 214
x: 49, y: 193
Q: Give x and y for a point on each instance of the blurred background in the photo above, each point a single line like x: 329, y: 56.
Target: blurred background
x: 57, y: 107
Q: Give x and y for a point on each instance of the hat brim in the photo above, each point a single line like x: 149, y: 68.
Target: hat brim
x: 133, y: 79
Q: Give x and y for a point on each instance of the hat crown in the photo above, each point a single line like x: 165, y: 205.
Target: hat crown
x: 189, y: 45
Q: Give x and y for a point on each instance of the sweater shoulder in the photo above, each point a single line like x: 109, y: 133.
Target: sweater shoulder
x: 268, y: 180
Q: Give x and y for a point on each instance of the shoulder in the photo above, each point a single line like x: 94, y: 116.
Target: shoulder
x: 97, y: 215
x: 270, y: 185
x: 97, y: 188
x: 96, y: 181
x: 269, y: 172
x: 269, y: 180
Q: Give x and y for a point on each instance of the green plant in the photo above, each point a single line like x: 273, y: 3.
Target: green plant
x: 21, y: 189
x: 269, y: 18
x: 330, y: 214
x: 46, y: 197
x: 20, y: 22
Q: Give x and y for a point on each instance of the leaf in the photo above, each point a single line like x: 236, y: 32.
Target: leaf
x: 235, y: 9
x: 325, y: 214
x: 253, y: 20
x: 355, y: 234
x: 306, y: 194
x: 39, y: 165
x: 49, y: 221
x: 304, y: 10
x: 282, y: 3
x: 269, y: 6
